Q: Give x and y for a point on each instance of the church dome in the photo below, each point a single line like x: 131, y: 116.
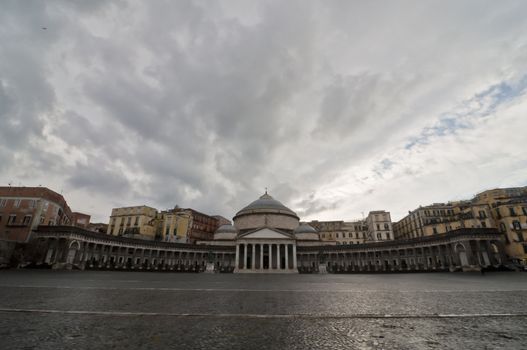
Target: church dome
x: 306, y: 232
x: 305, y: 228
x: 226, y: 232
x: 266, y: 212
x: 266, y: 203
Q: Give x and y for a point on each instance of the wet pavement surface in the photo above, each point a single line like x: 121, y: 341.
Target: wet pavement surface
x: 133, y: 310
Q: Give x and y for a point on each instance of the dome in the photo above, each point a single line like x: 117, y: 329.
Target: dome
x: 266, y: 203
x: 306, y: 232
x: 266, y: 212
x: 305, y: 228
x: 226, y: 232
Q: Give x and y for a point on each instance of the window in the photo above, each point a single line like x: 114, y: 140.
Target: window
x: 337, y: 235
x: 516, y: 225
x: 27, y: 220
x: 435, y: 230
x: 524, y: 210
x: 483, y: 224
x: 3, y: 202
x: 136, y: 221
x: 378, y: 227
x: 129, y: 221
x: 31, y: 203
x: 511, y: 212
x: 379, y: 236
x: 386, y: 226
x: 12, y: 219
x: 482, y: 214
x: 502, y: 227
x: 17, y: 203
x: 388, y: 235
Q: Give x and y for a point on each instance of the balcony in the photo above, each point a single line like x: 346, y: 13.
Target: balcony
x: 14, y: 224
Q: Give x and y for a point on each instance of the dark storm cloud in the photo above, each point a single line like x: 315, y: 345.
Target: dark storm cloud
x: 218, y: 95
x: 77, y: 129
x: 205, y: 104
x: 97, y: 178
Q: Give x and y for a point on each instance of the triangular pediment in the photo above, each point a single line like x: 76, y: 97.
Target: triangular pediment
x: 266, y: 233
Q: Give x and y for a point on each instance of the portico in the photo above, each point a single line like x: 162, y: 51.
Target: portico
x: 266, y: 250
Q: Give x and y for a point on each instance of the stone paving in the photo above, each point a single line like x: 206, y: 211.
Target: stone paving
x: 120, y: 310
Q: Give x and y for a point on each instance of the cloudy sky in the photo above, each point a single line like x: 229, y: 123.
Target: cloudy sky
x: 337, y: 107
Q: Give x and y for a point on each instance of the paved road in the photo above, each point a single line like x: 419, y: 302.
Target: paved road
x: 60, y: 309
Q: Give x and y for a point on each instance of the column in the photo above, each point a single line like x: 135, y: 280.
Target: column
x: 479, y: 256
x: 493, y: 257
x: 286, y: 246
x: 278, y: 266
x: 237, y: 258
x: 245, y: 255
x: 294, y: 257
x: 253, y: 256
x: 270, y: 256
x: 454, y: 256
x: 425, y: 259
x: 261, y: 255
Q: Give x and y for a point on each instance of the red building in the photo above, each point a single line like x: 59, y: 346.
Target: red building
x: 80, y: 219
x: 202, y: 226
x: 22, y: 209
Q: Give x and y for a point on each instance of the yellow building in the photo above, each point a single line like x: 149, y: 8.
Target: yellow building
x: 509, y: 211
x: 441, y: 218
x: 341, y: 232
x: 501, y: 208
x: 184, y: 225
x: 137, y: 222
x: 379, y: 225
x: 176, y: 226
x: 376, y: 227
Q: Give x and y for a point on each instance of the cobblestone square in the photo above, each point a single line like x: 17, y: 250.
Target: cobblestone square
x: 105, y: 310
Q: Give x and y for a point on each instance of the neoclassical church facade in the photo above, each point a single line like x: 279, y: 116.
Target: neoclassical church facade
x: 267, y: 237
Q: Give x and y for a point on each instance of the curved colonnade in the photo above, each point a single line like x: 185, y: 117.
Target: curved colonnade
x: 465, y: 250
x: 70, y: 247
